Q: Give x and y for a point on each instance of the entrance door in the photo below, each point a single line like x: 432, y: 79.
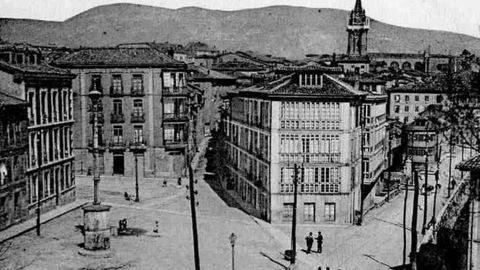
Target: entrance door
x: 118, y: 164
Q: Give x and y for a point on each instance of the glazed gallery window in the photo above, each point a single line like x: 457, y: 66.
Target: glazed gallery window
x: 330, y: 211
x: 138, y: 107
x: 137, y: 134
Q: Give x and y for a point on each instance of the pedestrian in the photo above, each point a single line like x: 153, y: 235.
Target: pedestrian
x: 164, y: 183
x: 319, y: 242
x: 309, y: 240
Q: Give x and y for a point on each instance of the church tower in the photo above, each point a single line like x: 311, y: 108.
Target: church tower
x: 357, y: 27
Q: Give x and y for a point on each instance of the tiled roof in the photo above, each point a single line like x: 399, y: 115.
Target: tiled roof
x: 33, y: 69
x: 211, y: 74
x: 237, y: 66
x: 131, y: 57
x: 472, y: 164
x: 310, y: 68
x: 331, y: 88
x: 8, y: 100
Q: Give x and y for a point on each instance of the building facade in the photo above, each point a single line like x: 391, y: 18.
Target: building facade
x: 48, y: 91
x: 407, y: 102
x: 311, y: 120
x: 13, y: 160
x: 145, y: 110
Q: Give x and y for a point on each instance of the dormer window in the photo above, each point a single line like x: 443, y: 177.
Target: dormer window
x: 5, y: 57
x: 32, y: 59
x: 19, y: 58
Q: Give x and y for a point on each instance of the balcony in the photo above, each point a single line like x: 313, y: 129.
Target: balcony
x: 175, y: 144
x: 138, y: 145
x: 100, y: 118
x: 175, y: 117
x: 101, y: 144
x: 137, y: 117
x: 117, y: 118
x: 175, y: 91
x: 117, y: 144
x: 139, y: 92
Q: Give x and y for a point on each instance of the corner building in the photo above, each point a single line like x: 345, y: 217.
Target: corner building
x: 310, y: 119
x: 48, y: 91
x: 144, y: 110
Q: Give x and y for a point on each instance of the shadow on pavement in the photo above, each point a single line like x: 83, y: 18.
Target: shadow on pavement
x: 273, y: 260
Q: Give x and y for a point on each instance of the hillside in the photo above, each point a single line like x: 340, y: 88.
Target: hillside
x: 279, y: 30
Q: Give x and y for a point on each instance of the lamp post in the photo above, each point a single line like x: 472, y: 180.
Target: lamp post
x: 95, y: 215
x: 137, y: 198
x: 232, y: 238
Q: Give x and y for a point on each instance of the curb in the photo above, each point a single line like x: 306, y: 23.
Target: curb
x: 33, y: 224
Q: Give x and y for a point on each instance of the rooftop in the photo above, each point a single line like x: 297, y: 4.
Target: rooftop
x: 7, y: 100
x: 33, y: 69
x: 237, y: 66
x: 118, y: 57
x: 472, y: 164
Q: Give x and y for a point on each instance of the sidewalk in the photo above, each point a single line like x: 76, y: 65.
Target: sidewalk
x: 23, y: 227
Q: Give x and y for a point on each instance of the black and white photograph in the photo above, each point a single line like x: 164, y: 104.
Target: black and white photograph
x: 240, y: 134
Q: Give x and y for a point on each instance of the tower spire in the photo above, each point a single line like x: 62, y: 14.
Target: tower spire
x: 358, y: 6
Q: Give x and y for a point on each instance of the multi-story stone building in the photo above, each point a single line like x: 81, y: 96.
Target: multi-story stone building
x: 408, y: 101
x: 309, y: 119
x: 49, y: 166
x: 13, y: 158
x: 145, y: 110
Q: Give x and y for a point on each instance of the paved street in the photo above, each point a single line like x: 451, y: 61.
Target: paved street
x: 375, y: 245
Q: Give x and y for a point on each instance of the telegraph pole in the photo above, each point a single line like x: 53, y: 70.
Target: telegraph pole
x: 450, y: 166
x: 413, y: 248
x: 425, y: 198
x: 137, y: 198
x: 39, y: 180
x: 389, y: 165
x: 294, y: 214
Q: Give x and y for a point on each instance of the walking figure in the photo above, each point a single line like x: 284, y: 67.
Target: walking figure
x: 155, y: 230
x: 309, y: 240
x: 319, y: 242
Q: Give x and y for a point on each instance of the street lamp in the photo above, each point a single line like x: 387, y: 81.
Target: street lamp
x: 94, y: 97
x: 232, y: 238
x: 95, y: 215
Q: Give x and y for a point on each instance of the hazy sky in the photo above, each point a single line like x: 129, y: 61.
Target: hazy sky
x: 462, y: 16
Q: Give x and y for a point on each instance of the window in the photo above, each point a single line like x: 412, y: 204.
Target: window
x: 19, y: 58
x: 138, y: 107
x: 407, y: 98
x: 309, y: 212
x: 407, y: 108
x: 397, y: 98
x: 96, y: 84
x: 137, y: 83
x: 117, y: 134
x: 330, y: 211
x: 417, y: 109
x: 32, y: 59
x: 287, y: 211
x: 439, y: 98
x: 427, y: 98
x: 5, y: 57
x: 117, y: 84
x: 396, y: 109
x: 117, y: 107
x: 417, y: 98
x: 137, y: 134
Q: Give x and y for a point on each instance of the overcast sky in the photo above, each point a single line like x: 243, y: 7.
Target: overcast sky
x: 462, y: 16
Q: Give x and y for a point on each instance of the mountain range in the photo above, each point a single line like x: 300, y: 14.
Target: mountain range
x: 284, y: 31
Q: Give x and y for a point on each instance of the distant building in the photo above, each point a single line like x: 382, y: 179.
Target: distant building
x: 48, y: 91
x: 357, y: 27
x: 145, y: 106
x: 13, y: 160
x: 408, y: 101
x: 312, y: 120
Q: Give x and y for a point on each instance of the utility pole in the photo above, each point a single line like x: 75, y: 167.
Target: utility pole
x: 425, y: 198
x: 39, y: 179
x: 362, y: 167
x: 294, y: 214
x: 137, y: 198
x: 389, y: 165
x: 413, y: 248
x: 450, y: 166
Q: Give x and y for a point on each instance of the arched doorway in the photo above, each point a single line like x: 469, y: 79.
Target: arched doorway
x: 406, y: 66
